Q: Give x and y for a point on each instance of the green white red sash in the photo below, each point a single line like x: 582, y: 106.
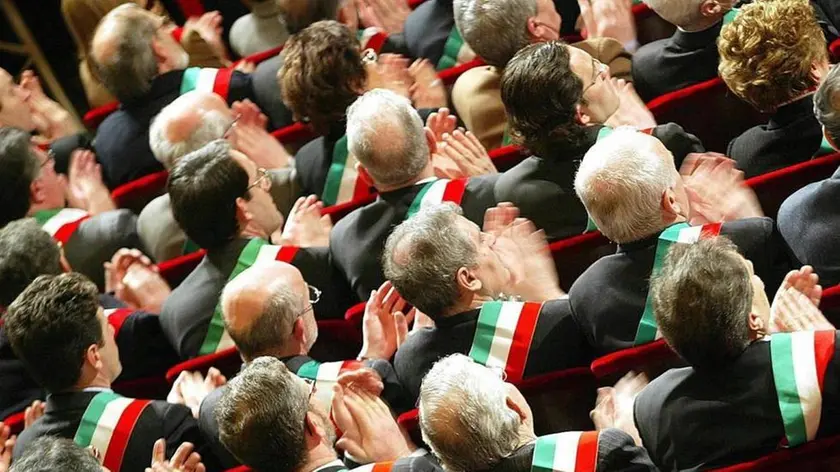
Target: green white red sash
x: 116, y: 317
x: 107, y: 425
x: 372, y: 38
x: 326, y: 375
x: 678, y: 233
x: 217, y: 338
x: 455, y: 51
x: 503, y: 336
x: 207, y: 79
x: 436, y: 192
x: 343, y: 183
x: 571, y: 451
x: 61, y: 223
x: 376, y: 467
x: 799, y: 362
x: 825, y: 148
x: 730, y: 15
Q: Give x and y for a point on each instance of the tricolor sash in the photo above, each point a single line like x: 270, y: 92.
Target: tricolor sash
x: 825, y: 148
x: 107, y: 425
x: 455, y: 51
x: 436, y: 192
x: 372, y: 38
x: 343, y: 183
x: 61, y: 223
x: 571, y: 451
x: 257, y: 249
x: 207, y: 80
x: 326, y: 375
x: 503, y: 336
x: 376, y: 467
x: 799, y: 362
x: 678, y: 233
x: 116, y: 317
x: 730, y: 15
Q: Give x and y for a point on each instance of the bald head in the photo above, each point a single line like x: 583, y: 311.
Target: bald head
x: 187, y: 124
x: 261, y: 307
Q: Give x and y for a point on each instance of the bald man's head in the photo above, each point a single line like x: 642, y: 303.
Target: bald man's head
x: 187, y: 124
x: 261, y: 308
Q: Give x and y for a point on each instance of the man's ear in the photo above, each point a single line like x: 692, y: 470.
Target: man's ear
x: 93, y: 357
x: 515, y: 407
x: 534, y: 26
x: 299, y: 331
x: 670, y: 206
x: 243, y: 215
x: 36, y: 192
x: 363, y: 174
x: 159, y: 51
x: 756, y: 324
x: 467, y: 280
x: 581, y: 116
x: 710, y: 8
x: 431, y: 141
x: 312, y: 431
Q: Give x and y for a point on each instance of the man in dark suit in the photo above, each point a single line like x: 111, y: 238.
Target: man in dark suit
x: 146, y: 70
x: 60, y: 333
x: 688, y: 57
x: 752, y: 72
x: 740, y: 398
x: 561, y: 101
x: 636, y: 197
x: 474, y: 420
x: 91, y: 232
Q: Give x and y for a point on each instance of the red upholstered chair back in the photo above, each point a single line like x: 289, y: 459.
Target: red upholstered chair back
x: 820, y: 455
x: 176, y: 270
x: 639, y: 358
x: 506, y: 157
x: 834, y: 50
x: 227, y: 361
x: 137, y: 193
x: 709, y: 111
x: 830, y: 304
x: 573, y: 255
x: 774, y: 187
x: 15, y: 422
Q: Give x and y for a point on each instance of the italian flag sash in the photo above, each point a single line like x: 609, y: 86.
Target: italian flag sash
x: 825, y: 148
x: 455, y: 51
x: 116, y: 317
x: 436, y: 192
x: 61, y: 223
x: 107, y: 425
x: 372, y: 38
x: 376, y: 467
x: 207, y: 80
x: 343, y: 183
x: 799, y: 362
x: 257, y: 249
x: 503, y: 336
x: 730, y: 15
x: 326, y: 375
x: 571, y: 451
x: 678, y: 233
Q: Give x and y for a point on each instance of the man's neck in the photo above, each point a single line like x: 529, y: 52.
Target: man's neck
x: 36, y: 207
x: 702, y: 25
x: 318, y: 457
x: 472, y: 302
x: 426, y: 173
x: 253, y: 231
x: 100, y: 381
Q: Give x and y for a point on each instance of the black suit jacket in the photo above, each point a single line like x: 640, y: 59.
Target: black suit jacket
x: 426, y: 30
x: 696, y: 420
x: 159, y: 420
x: 544, y: 188
x: 97, y: 239
x: 608, y: 299
x: 808, y: 220
x: 828, y: 16
x: 792, y: 135
x: 616, y: 452
x: 677, y: 62
x: 558, y: 343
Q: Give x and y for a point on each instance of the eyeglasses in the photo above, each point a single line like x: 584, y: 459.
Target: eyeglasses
x: 599, y: 69
x: 230, y: 126
x: 263, y: 180
x: 314, y: 297
x: 369, y: 56
x: 311, y: 384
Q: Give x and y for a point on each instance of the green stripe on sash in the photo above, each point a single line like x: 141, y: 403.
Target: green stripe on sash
x: 451, y: 50
x: 544, y: 451
x: 190, y: 79
x: 335, y: 172
x: 730, y: 16
x: 91, y: 417
x: 825, y: 148
x: 309, y: 370
x: 781, y: 355
x: 418, y: 200
x: 189, y: 247
x: 485, y: 331
x: 41, y: 217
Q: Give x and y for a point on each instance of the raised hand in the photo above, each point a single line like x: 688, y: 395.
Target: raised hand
x: 390, y: 72
x: 305, y: 226
x: 384, y: 325
x: 541, y: 282
x: 441, y: 122
x: 248, y: 136
x: 632, y: 110
x: 428, y: 90
x: 33, y: 412
x: 248, y: 113
x: 190, y: 388
x: 716, y: 189
x: 614, y: 405
x: 389, y: 15
x: 85, y: 186
x: 466, y: 152
x: 7, y: 446
x: 52, y: 120
x: 209, y: 28
x: 184, y: 459
x: 365, y: 379
x: 793, y: 311
x: 609, y: 19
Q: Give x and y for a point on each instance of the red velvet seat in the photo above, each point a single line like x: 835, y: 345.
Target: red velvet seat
x: 574, y: 255
x: 830, y: 304
x: 635, y: 358
x: 355, y: 313
x: 136, y: 194
x: 709, y: 111
x: 821, y: 455
x: 191, y: 8
x: 774, y: 187
x: 450, y: 75
x: 834, y: 50
x: 258, y: 57
x: 506, y: 157
x: 174, y: 271
x: 95, y: 116
x: 227, y: 361
x: 15, y: 422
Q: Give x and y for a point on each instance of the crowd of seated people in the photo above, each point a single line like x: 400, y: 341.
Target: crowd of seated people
x: 387, y: 290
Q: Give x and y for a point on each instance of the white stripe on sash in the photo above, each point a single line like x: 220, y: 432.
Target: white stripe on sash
x: 503, y: 336
x: 108, y: 423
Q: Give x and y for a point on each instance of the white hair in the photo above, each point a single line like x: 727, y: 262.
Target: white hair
x: 677, y: 12
x: 386, y: 135
x: 464, y: 415
x: 494, y: 29
x: 212, y: 125
x: 621, y: 181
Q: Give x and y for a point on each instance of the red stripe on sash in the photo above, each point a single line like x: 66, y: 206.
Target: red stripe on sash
x: 348, y: 366
x: 454, y: 191
x: 823, y: 352
x: 710, y: 230
x: 382, y: 466
x: 286, y: 254
x: 361, y: 190
x: 377, y: 41
x: 64, y: 233
x: 587, y: 452
x: 122, y: 434
x: 221, y: 86
x: 521, y: 343
x: 647, y: 131
x: 118, y: 317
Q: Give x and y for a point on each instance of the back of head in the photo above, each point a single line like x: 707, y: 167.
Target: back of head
x: 51, y: 325
x: 183, y: 127
x: 203, y: 187
x: 51, y: 454
x: 494, y: 29
x: 82, y: 17
x: 621, y: 181
x: 464, y: 416
x: 681, y: 13
x: 386, y: 135
x: 827, y: 104
x: 422, y: 257
x: 122, y: 56
x: 702, y: 299
x: 322, y: 73
x: 541, y: 95
x: 300, y: 14
x: 26, y: 251
x: 18, y: 168
x: 768, y: 52
x: 262, y: 415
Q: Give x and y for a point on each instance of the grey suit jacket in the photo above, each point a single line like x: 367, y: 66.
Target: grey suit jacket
x: 97, y: 239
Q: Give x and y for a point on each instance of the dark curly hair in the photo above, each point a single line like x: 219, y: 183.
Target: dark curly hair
x: 541, y: 95
x: 322, y: 73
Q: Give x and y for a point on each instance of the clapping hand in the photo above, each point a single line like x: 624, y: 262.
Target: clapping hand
x: 609, y: 19
x: 132, y: 277
x: 428, y: 90
x: 716, y: 189
x: 190, y: 388
x: 632, y: 110
x: 184, y: 459
x: 305, y: 226
x: 614, y: 405
x: 466, y: 153
x: 7, y: 446
x: 796, y: 304
x: 248, y: 136
x: 384, y: 326
x: 390, y: 72
x: 209, y: 28
x: 51, y: 119
x: 33, y: 412
x: 85, y: 188
x: 388, y: 15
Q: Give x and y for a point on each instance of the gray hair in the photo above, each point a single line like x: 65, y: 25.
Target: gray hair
x: 464, y: 415
x: 677, y: 12
x: 131, y: 67
x: 50, y: 453
x: 827, y: 104
x: 621, y: 181
x: 422, y: 257
x: 495, y: 29
x: 26, y: 252
x: 211, y: 126
x: 386, y: 135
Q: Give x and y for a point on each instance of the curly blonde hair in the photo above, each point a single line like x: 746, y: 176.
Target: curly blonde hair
x: 768, y: 51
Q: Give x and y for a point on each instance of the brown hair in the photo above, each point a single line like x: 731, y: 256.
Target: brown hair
x: 767, y: 52
x: 322, y: 74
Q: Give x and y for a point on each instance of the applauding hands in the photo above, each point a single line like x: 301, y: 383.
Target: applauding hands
x: 305, y: 226
x: 796, y: 304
